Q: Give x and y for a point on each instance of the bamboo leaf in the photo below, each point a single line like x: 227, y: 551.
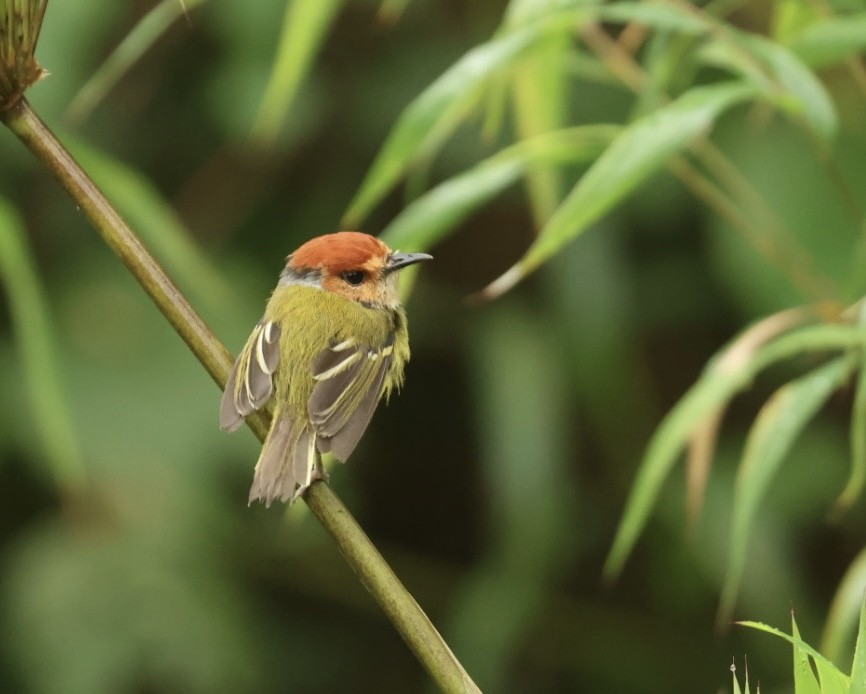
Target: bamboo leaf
x: 810, y: 98
x: 662, y: 16
x: 858, y: 668
x: 777, y: 70
x: 303, y: 32
x: 832, y: 681
x: 429, y: 218
x: 776, y: 428
x: 831, y: 40
x: 844, y: 609
x: 438, y: 110
x: 142, y: 36
x: 641, y: 149
x: 53, y: 428
x: 539, y: 90
x: 857, y: 476
x: 712, y: 391
x: 141, y: 202
x: 736, y: 685
x: 805, y: 681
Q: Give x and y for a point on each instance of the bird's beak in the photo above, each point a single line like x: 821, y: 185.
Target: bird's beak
x: 396, y: 261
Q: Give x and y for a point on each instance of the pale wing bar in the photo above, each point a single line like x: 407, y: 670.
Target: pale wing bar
x: 251, y: 381
x: 349, y: 383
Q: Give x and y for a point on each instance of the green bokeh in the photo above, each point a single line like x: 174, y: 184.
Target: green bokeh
x: 494, y: 483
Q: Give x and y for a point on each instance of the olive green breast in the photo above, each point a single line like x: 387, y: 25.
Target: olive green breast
x: 311, y: 320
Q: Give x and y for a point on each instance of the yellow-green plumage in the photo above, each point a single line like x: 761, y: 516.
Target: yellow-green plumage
x: 333, y: 341
x: 328, y: 318
x: 336, y: 359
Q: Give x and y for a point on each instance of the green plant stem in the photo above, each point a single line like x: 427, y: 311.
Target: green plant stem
x: 24, y: 122
x: 393, y: 598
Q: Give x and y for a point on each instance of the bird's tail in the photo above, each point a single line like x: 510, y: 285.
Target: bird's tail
x: 288, y: 463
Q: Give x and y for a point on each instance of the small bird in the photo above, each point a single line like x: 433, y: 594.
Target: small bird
x: 333, y: 341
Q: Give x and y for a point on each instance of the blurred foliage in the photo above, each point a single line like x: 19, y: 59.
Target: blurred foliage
x: 687, y: 182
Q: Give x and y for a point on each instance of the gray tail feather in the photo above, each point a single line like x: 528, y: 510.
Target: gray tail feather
x: 288, y: 463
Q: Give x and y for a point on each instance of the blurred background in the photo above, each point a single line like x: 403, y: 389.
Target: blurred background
x: 494, y: 483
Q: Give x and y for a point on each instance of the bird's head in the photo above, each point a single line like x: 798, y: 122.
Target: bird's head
x: 354, y: 265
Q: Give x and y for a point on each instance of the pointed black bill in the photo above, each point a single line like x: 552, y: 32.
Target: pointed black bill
x: 396, y: 261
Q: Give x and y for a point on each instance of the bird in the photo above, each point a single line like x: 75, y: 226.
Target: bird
x: 332, y: 343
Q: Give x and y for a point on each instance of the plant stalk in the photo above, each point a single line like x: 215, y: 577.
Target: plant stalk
x: 393, y: 598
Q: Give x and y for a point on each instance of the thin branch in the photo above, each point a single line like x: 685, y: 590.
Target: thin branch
x: 393, y: 598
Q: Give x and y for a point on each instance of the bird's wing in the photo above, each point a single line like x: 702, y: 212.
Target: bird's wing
x: 251, y: 380
x: 350, y: 378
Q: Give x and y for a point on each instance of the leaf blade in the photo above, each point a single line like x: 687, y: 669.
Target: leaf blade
x: 707, y: 395
x: 430, y: 118
x: 776, y: 427
x: 640, y: 150
x: 303, y: 32
x: 427, y: 219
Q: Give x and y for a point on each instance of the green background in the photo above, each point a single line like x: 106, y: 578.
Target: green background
x: 493, y: 483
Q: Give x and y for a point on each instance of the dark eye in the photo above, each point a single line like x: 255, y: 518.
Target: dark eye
x: 354, y: 277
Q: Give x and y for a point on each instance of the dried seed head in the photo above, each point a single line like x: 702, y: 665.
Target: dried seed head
x: 20, y: 23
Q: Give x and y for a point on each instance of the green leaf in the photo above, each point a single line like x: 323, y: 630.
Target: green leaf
x: 429, y: 218
x: 805, y: 681
x: 831, y: 40
x: 736, y: 685
x: 145, y: 33
x: 857, y: 476
x: 844, y: 609
x: 641, y: 150
x: 776, y: 428
x: 439, y: 109
x: 304, y: 29
x: 539, y: 90
x: 661, y: 16
x: 53, y: 430
x: 810, y: 98
x: 712, y: 391
x: 141, y: 203
x: 832, y: 680
x: 858, y: 667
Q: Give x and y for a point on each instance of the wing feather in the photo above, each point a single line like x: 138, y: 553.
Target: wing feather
x: 349, y: 379
x: 251, y: 381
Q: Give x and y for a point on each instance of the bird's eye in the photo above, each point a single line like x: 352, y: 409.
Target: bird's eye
x: 354, y: 277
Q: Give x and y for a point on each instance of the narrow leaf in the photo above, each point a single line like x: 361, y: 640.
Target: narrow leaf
x: 857, y: 476
x: 53, y: 429
x: 438, y: 110
x: 142, y: 36
x: 429, y: 218
x: 641, y: 150
x: 831, y: 40
x: 833, y: 677
x: 805, y: 681
x: 144, y: 206
x: 736, y: 685
x: 304, y: 29
x: 662, y: 16
x: 844, y: 609
x: 712, y: 391
x: 858, y: 668
x: 776, y: 428
x: 811, y: 99
x: 539, y: 89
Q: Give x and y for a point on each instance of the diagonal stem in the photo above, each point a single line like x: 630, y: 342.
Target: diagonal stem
x: 393, y: 598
